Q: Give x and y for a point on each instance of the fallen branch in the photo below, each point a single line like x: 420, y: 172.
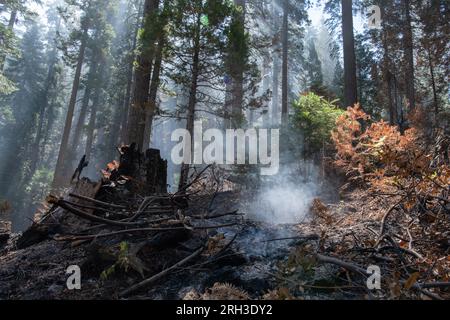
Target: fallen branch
x: 100, y: 203
x: 63, y: 204
x: 103, y: 235
x: 349, y: 266
x: 309, y: 237
x: 158, y: 276
x: 441, y: 285
x: 233, y: 213
x: 383, y: 221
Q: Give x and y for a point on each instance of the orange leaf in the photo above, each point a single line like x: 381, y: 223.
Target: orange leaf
x: 412, y: 280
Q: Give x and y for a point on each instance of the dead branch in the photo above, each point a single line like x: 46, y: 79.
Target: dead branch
x: 155, y: 229
x: 158, y: 276
x: 63, y: 204
x: 349, y: 266
x: 233, y: 213
x: 100, y: 203
x: 441, y: 285
x: 306, y: 238
x: 383, y: 221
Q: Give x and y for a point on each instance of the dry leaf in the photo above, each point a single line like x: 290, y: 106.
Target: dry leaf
x: 412, y: 280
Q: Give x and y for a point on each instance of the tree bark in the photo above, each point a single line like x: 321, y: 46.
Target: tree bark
x: 409, y: 56
x: 49, y: 83
x: 433, y: 85
x: 12, y: 19
x: 138, y: 110
x: 154, y: 92
x: 84, y: 108
x: 92, y: 121
x: 350, y: 83
x: 285, y: 89
x: 238, y: 73
x: 11, y: 22
x: 184, y: 174
x: 58, y: 179
x: 130, y: 74
x: 388, y: 80
x: 275, y: 69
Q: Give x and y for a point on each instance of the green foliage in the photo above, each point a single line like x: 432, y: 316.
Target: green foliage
x: 126, y: 260
x: 6, y: 85
x: 316, y: 118
x: 39, y: 186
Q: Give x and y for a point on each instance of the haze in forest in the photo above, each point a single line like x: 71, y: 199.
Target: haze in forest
x: 83, y: 77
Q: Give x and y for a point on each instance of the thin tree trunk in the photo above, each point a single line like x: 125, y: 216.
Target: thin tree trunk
x: 12, y: 19
x: 350, y: 83
x: 138, y: 111
x: 276, y: 69
x: 36, y: 149
x: 285, y: 89
x: 58, y: 179
x: 275, y: 92
x: 433, y: 85
x: 409, y: 56
x: 266, y: 87
x: 154, y: 91
x: 84, y: 108
x: 184, y: 175
x: 92, y: 123
x: 11, y: 22
x: 238, y: 73
x: 114, y: 134
x: 388, y: 79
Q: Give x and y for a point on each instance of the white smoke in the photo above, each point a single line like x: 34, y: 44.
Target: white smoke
x: 287, y: 197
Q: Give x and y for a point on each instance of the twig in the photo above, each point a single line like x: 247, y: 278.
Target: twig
x: 383, y: 221
x: 349, y: 266
x: 426, y: 292
x: 100, y: 203
x: 233, y: 213
x: 158, y: 276
x: 183, y: 189
x: 88, y: 207
x: 309, y: 237
x: 88, y: 216
x: 441, y: 285
x: 103, y: 235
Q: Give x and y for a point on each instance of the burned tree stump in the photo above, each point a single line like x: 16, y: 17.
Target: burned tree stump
x: 5, y: 232
x: 145, y: 173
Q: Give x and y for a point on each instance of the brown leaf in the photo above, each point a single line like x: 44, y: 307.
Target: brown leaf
x: 412, y: 280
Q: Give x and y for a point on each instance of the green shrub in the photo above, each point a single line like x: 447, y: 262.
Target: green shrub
x: 316, y: 118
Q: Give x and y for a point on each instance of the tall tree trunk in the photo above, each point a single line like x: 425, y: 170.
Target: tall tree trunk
x: 138, y: 111
x: 266, y: 87
x: 409, y: 56
x: 350, y: 83
x: 130, y: 73
x: 237, y: 86
x: 11, y: 22
x: 92, y: 123
x: 387, y: 75
x: 275, y: 92
x: 190, y: 117
x: 58, y: 179
x: 285, y: 89
x: 433, y: 85
x: 154, y: 91
x: 12, y: 19
x: 114, y: 134
x: 84, y: 108
x: 49, y: 83
x: 275, y: 67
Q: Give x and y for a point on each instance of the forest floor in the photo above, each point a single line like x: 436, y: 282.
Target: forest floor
x: 326, y: 257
